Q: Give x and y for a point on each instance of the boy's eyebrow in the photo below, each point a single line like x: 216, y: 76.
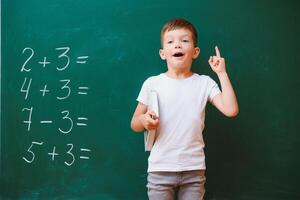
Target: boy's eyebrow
x: 185, y: 35
x: 168, y: 38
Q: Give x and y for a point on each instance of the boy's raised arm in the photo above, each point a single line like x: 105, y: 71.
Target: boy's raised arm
x: 226, y: 102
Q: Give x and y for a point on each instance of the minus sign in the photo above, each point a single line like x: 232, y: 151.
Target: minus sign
x: 46, y: 122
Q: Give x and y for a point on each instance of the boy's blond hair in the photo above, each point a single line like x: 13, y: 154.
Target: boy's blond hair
x: 177, y: 24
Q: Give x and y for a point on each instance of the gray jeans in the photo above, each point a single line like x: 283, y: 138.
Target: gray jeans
x: 189, y: 185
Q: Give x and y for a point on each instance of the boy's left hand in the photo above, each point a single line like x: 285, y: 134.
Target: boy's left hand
x: 217, y: 63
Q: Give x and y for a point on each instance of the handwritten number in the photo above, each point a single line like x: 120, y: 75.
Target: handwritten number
x: 25, y: 63
x: 65, y: 56
x: 28, y: 122
x: 31, y: 152
x: 66, y: 117
x: 71, y: 154
x: 26, y: 90
x: 65, y: 87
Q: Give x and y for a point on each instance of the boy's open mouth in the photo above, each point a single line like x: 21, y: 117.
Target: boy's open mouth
x: 179, y: 54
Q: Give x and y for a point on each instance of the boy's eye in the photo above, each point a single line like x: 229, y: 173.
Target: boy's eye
x: 185, y: 40
x: 169, y: 42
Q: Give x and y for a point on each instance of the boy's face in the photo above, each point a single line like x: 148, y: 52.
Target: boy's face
x: 178, y: 49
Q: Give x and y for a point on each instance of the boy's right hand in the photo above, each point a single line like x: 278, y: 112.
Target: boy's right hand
x: 149, y: 120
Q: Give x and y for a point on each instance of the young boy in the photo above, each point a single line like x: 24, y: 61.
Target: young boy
x: 177, y: 162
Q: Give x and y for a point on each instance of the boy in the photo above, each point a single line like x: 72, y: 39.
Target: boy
x: 177, y: 161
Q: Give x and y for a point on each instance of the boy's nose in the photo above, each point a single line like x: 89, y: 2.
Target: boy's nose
x: 177, y: 44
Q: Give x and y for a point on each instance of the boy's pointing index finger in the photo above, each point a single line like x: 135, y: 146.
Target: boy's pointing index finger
x: 217, y: 52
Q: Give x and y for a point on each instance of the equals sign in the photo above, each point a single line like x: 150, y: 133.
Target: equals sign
x: 82, y: 90
x: 81, y: 119
x: 81, y: 59
x: 85, y: 150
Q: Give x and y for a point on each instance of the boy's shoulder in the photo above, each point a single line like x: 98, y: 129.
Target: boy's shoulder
x: 154, y: 77
x: 203, y: 77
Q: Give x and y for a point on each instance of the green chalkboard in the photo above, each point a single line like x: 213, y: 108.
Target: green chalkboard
x: 71, y: 71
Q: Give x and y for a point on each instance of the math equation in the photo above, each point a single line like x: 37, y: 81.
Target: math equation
x: 64, y: 121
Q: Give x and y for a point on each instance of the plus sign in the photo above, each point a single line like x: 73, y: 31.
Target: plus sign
x: 44, y: 62
x: 53, y: 154
x: 44, y: 90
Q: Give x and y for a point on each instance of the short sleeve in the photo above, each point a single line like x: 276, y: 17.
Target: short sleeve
x: 213, y: 89
x: 143, y: 95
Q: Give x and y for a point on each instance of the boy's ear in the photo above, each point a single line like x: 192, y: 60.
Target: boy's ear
x: 196, y: 53
x: 162, y: 54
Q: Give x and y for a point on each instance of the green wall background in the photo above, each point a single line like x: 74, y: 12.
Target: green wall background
x: 253, y: 156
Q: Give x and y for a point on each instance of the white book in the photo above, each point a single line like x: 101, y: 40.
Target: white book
x: 150, y: 136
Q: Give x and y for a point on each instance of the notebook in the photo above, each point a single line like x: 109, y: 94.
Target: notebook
x: 149, y: 136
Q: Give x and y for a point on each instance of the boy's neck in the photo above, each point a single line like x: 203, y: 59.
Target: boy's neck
x: 179, y: 74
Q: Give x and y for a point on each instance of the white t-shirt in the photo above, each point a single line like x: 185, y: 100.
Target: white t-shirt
x: 179, y: 144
